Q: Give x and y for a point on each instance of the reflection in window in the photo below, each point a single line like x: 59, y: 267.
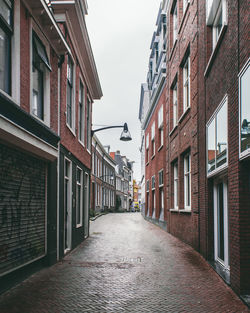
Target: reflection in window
x: 217, y: 139
x: 245, y: 108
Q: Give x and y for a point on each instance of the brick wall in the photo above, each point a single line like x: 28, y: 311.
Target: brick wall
x: 157, y: 162
x: 183, y: 138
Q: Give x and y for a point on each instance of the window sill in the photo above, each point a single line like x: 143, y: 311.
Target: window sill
x: 183, y: 17
x: 172, y: 131
x: 160, y: 148
x: 185, y: 211
x: 245, y: 154
x: 71, y: 130
x: 172, y: 50
x: 78, y: 225
x: 184, y: 114
x: 147, y: 164
x: 214, y: 53
x: 152, y: 157
x: 217, y: 170
x: 174, y: 210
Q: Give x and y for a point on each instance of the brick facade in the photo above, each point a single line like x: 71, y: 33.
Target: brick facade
x: 214, y: 36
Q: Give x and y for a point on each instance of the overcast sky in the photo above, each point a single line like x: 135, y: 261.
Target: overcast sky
x: 120, y: 33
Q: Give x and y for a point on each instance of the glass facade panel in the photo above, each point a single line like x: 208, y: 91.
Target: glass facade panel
x: 221, y: 134
x: 245, y: 109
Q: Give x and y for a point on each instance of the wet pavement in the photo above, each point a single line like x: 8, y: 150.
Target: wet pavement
x: 126, y: 265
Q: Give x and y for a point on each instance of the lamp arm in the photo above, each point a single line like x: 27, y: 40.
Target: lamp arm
x: 103, y: 128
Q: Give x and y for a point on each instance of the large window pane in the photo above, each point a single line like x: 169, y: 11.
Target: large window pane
x: 4, y: 61
x: 245, y: 109
x: 211, y: 147
x: 5, y: 10
x: 221, y: 148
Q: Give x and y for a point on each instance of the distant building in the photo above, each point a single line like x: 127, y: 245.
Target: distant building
x: 103, y: 178
x: 124, y: 181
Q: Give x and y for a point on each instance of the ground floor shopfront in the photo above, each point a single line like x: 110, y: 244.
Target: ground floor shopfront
x: 73, y: 200
x: 28, y: 180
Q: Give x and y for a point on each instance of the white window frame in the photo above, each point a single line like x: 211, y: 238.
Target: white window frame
x: 184, y: 5
x: 176, y: 185
x: 245, y: 69
x: 153, y: 139
x: 175, y: 22
x: 187, y: 181
x: 81, y: 197
x: 213, y: 9
x: 161, y: 173
x: 46, y: 78
x: 214, y: 117
x: 175, y: 105
x: 81, y: 130
x: 72, y: 127
x: 186, y: 84
x: 224, y: 263
x: 69, y: 204
x: 161, y: 126
x: 88, y: 122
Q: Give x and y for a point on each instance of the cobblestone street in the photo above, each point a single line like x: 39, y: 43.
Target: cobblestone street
x: 126, y: 265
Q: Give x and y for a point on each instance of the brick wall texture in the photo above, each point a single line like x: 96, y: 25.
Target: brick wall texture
x: 213, y: 75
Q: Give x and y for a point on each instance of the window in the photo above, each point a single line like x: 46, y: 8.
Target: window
x: 185, y: 3
x: 217, y: 138
x: 175, y: 168
x: 81, y: 113
x: 147, y: 148
x: 175, y: 106
x: 174, y: 22
x: 88, y: 123
x: 40, y: 64
x: 6, y: 30
x: 70, y: 92
x: 186, y: 84
x: 161, y: 178
x: 67, y: 203
x: 216, y: 17
x: 153, y: 139
x: 79, y: 197
x: 153, y: 182
x: 187, y: 182
x: 244, y: 96
x: 160, y: 126
x: 147, y: 189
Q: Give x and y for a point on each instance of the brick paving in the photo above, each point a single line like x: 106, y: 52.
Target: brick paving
x: 126, y: 265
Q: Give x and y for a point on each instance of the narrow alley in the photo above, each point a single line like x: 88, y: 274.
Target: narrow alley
x: 126, y: 265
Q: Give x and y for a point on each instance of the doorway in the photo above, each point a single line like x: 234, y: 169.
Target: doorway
x: 221, y: 250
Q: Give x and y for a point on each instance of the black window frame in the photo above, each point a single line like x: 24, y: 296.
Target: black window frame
x: 8, y: 29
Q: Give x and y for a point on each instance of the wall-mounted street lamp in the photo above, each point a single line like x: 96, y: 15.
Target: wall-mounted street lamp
x: 125, y: 135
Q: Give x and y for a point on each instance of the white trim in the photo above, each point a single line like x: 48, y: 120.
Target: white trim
x: 187, y: 174
x: 176, y: 185
x: 46, y: 78
x: 21, y: 138
x: 246, y: 152
x: 81, y: 196
x: 15, y: 54
x: 69, y: 206
x: 214, y: 118
x: 224, y: 263
x: 73, y: 93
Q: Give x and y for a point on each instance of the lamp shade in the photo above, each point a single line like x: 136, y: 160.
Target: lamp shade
x: 125, y: 135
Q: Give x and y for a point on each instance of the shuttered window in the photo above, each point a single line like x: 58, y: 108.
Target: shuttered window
x: 22, y: 209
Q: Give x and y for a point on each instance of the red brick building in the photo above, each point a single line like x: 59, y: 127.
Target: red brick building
x: 48, y: 82
x: 224, y: 137
x: 154, y: 126
x: 207, y: 125
x: 182, y: 155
